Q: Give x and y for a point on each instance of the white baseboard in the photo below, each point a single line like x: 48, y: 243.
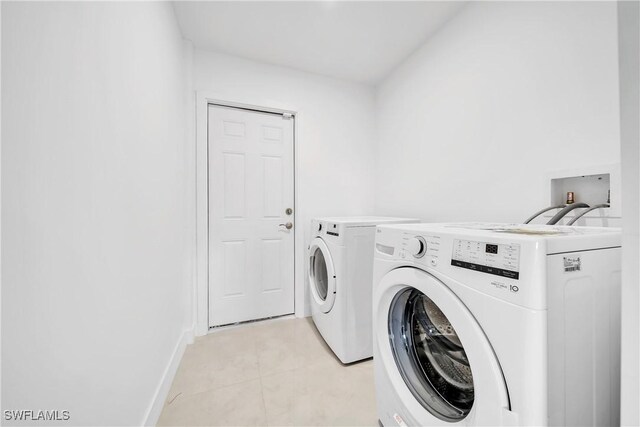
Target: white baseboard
x: 157, y: 403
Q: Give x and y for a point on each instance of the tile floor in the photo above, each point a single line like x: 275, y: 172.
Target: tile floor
x: 276, y: 372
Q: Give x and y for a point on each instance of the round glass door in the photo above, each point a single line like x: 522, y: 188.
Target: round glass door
x: 319, y: 274
x: 322, y: 277
x: 430, y: 356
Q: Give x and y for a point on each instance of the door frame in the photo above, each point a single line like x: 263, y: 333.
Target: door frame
x: 201, y: 282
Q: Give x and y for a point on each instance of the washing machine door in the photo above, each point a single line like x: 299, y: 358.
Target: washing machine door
x: 440, y: 358
x: 322, y: 275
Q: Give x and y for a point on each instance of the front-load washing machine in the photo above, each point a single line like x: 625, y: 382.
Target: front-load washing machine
x: 340, y: 278
x: 490, y: 324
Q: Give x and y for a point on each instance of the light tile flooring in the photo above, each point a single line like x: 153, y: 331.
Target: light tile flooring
x: 275, y: 372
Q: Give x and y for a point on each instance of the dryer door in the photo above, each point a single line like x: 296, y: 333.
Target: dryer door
x: 437, y: 352
x: 322, y: 275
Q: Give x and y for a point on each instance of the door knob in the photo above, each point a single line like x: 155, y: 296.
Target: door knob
x: 288, y: 225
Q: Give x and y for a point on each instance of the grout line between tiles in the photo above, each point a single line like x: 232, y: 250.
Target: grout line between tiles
x: 264, y: 403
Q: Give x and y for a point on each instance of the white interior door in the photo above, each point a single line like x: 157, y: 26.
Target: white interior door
x: 251, y: 254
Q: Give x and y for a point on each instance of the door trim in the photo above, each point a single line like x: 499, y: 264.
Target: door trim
x: 200, y: 300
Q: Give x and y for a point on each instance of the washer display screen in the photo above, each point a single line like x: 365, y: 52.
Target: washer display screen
x: 491, y: 258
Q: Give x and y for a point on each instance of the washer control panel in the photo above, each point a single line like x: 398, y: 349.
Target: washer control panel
x: 492, y: 258
x: 332, y: 229
x: 425, y: 249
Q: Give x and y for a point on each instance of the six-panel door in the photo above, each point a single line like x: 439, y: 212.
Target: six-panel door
x: 250, y: 189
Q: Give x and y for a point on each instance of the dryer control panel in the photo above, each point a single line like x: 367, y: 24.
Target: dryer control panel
x: 491, y: 258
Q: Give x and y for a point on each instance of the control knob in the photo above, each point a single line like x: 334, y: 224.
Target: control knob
x: 417, y: 246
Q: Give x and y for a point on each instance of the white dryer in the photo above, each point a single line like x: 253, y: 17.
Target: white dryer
x: 490, y: 324
x: 340, y: 278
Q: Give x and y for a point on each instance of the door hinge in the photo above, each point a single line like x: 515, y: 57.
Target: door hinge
x: 287, y: 116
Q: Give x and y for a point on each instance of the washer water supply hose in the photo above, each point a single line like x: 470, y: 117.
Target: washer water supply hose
x: 557, y: 217
x: 586, y: 211
x: 540, y: 212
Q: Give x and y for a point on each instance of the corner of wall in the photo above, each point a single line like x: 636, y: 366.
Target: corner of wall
x: 153, y: 412
x: 629, y: 60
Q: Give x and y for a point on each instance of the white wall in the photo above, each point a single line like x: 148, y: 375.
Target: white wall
x: 335, y: 146
x: 94, y: 251
x: 629, y: 36
x: 504, y: 94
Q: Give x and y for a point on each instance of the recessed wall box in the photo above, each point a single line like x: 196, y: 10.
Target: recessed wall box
x: 589, y: 189
x: 591, y: 185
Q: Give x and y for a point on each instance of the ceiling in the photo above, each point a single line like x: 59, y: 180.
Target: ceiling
x: 354, y: 40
